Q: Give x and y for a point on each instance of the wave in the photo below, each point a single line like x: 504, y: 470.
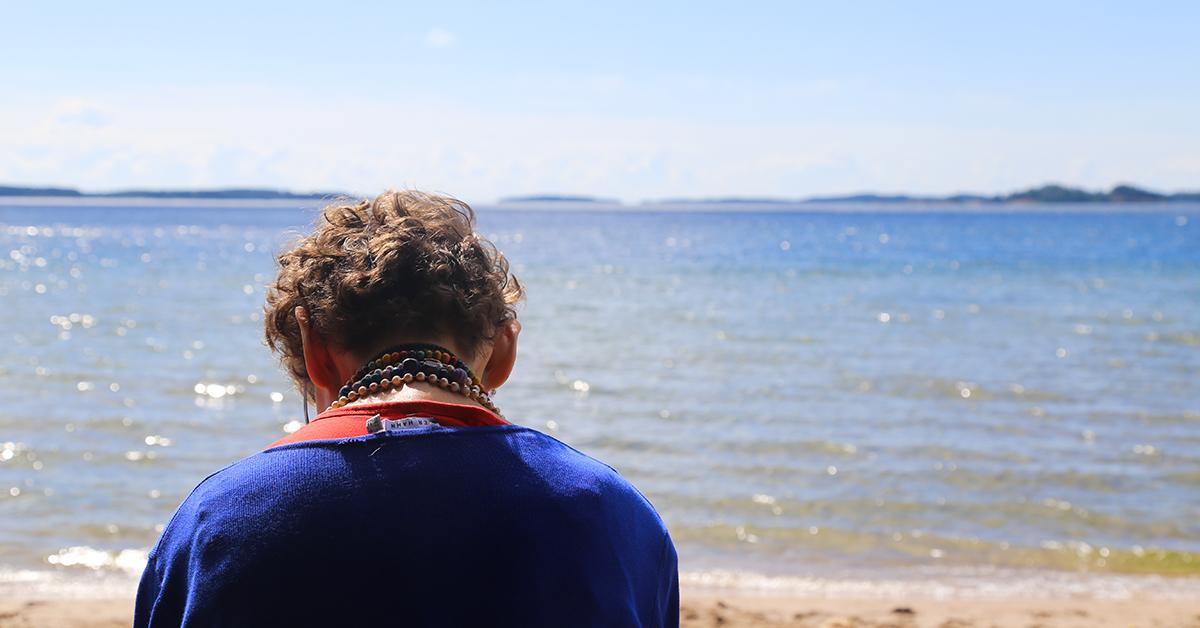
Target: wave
x: 982, y: 583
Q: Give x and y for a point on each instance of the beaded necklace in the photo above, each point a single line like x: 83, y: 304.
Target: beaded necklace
x: 410, y: 363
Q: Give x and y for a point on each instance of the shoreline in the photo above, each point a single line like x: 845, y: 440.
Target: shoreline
x: 702, y: 607
x: 977, y: 598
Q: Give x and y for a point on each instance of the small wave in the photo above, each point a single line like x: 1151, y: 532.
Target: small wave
x: 953, y: 584
x: 918, y: 548
x: 1181, y: 418
x: 1184, y: 339
x: 942, y: 388
x: 130, y: 561
x: 58, y: 584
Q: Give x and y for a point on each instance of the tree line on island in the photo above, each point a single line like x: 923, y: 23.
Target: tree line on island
x: 225, y: 193
x: 1043, y: 194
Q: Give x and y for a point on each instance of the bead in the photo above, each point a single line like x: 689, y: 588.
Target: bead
x: 362, y: 391
x: 431, y: 365
x: 420, y: 377
x: 410, y: 365
x: 460, y: 375
x: 443, y: 382
x: 352, y: 395
x: 454, y: 387
x: 373, y: 387
x: 386, y: 383
x: 343, y: 391
x: 398, y: 381
x: 408, y: 378
x: 343, y: 400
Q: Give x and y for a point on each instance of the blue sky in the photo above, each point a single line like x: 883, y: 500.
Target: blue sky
x: 628, y: 100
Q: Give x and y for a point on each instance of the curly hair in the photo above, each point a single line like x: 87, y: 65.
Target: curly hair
x: 407, y: 263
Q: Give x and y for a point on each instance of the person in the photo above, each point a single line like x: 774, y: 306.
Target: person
x: 409, y: 500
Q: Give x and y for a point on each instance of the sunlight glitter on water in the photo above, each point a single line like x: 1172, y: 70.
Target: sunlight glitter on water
x: 971, y: 389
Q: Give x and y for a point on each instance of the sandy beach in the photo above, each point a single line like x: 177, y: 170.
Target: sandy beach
x: 712, y: 607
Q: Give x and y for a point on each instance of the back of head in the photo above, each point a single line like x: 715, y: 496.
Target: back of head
x: 406, y: 266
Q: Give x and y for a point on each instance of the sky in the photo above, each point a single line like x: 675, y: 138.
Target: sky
x: 627, y: 100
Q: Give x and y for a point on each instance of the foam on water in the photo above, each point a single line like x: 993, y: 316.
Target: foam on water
x: 976, y: 583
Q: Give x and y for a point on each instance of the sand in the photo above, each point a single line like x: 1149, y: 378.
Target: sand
x: 736, y: 608
x: 740, y: 609
x: 66, y: 612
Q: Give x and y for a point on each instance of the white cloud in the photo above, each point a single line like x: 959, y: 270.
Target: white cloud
x: 439, y: 38
x: 267, y: 137
x: 79, y: 111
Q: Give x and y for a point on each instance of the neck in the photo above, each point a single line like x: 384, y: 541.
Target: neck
x: 412, y: 372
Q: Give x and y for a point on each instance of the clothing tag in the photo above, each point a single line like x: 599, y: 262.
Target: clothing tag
x: 408, y: 423
x: 377, y: 424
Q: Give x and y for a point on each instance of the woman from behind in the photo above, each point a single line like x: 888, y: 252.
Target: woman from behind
x: 410, y: 499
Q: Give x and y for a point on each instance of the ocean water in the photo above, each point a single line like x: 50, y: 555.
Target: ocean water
x: 867, y: 395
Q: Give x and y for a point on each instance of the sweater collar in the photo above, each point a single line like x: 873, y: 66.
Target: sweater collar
x: 350, y: 421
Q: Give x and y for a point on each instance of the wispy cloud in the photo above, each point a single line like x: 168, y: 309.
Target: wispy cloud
x: 199, y: 137
x: 81, y: 112
x: 439, y: 38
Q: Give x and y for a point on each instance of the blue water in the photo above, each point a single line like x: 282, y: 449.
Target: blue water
x: 799, y: 393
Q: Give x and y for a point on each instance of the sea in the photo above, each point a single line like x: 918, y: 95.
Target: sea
x: 826, y: 399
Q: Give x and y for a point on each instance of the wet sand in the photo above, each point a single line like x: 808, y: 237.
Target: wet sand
x: 740, y: 609
x: 737, y: 608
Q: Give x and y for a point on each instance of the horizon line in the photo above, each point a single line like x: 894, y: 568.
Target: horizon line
x: 1050, y: 191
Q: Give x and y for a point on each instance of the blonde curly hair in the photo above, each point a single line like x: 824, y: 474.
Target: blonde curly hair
x: 407, y: 263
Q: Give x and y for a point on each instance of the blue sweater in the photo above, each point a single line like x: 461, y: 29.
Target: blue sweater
x: 434, y: 526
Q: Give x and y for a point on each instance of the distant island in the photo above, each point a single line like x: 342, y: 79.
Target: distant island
x: 1052, y: 193
x: 1045, y: 194
x: 224, y: 193
x: 559, y: 198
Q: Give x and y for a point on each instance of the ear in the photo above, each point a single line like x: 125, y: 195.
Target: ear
x: 318, y: 359
x: 504, y: 355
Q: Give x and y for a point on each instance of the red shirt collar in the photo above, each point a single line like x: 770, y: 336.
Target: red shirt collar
x: 351, y: 420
